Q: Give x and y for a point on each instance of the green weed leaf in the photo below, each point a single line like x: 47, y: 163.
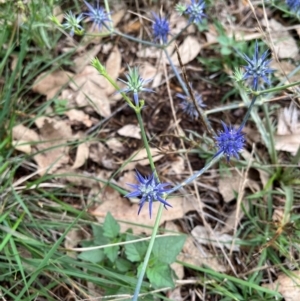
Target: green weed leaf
x: 160, y: 275
x: 167, y: 248
x: 135, y: 252
x: 112, y: 253
x: 93, y: 256
x: 111, y: 228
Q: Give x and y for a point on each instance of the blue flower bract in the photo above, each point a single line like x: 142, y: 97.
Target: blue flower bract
x: 195, y: 11
x: 188, y: 106
x: 97, y: 15
x: 135, y: 84
x: 230, y: 141
x: 150, y: 190
x: 73, y: 23
x: 160, y: 29
x: 294, y: 6
x: 258, y: 68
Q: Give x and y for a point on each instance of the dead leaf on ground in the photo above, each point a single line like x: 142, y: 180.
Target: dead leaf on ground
x: 140, y: 157
x: 148, y: 71
x: 115, y: 145
x: 287, y: 286
x: 198, y: 256
x: 79, y: 117
x: 230, y: 184
x: 130, y: 130
x: 23, y: 137
x: 50, y: 145
x: 99, y: 153
x: 50, y: 83
x: 288, y: 130
x: 84, y: 58
x: 123, y: 210
x: 188, y: 51
x: 217, y: 239
x: 91, y: 91
x: 82, y: 154
x: 284, y: 44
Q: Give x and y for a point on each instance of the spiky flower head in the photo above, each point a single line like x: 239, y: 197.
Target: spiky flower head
x: 135, y: 84
x: 97, y: 15
x: 150, y: 190
x: 230, y: 141
x: 73, y: 23
x: 188, y: 105
x: 195, y: 11
x: 258, y: 69
x: 294, y: 6
x: 160, y: 28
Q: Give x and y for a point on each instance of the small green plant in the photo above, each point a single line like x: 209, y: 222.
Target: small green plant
x: 128, y: 258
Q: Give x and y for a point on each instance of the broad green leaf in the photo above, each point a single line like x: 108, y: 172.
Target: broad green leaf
x: 135, y: 252
x: 123, y: 265
x: 94, y: 256
x: 167, y: 248
x: 112, y: 253
x: 111, y: 228
x: 160, y: 276
x: 99, y: 238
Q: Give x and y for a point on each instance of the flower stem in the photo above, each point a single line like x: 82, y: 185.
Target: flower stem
x: 215, y: 159
x: 280, y: 88
x: 149, y: 250
x: 188, y: 93
x: 246, y: 117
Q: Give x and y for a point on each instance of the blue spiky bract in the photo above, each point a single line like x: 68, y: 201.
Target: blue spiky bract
x: 188, y: 106
x: 97, y: 15
x: 160, y: 28
x: 258, y: 69
x: 230, y: 141
x: 73, y: 23
x: 135, y: 84
x: 294, y: 6
x: 150, y: 190
x: 195, y: 11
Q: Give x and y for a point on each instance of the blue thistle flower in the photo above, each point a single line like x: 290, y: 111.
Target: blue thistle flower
x: 294, y: 5
x: 73, y: 23
x: 97, y: 15
x: 195, y: 11
x: 160, y: 29
x: 135, y: 84
x: 188, y: 106
x: 150, y: 190
x: 230, y: 141
x: 258, y: 68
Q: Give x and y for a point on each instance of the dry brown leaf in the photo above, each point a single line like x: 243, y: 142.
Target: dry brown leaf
x: 123, y: 210
x: 177, y: 166
x: 113, y: 67
x: 188, y: 50
x: 50, y: 83
x: 151, y: 52
x: 288, y: 130
x: 81, y: 155
x: 130, y: 130
x: 284, y: 44
x: 148, y: 71
x: 217, y: 239
x: 231, y: 184
x: 84, y: 58
x: 91, y: 90
x: 232, y: 219
x: 115, y: 145
x: 198, y: 256
x: 53, y: 148
x: 101, y: 155
x: 140, y: 157
x: 287, y: 286
x: 79, y: 117
x: 22, y: 137
x: 77, y: 179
